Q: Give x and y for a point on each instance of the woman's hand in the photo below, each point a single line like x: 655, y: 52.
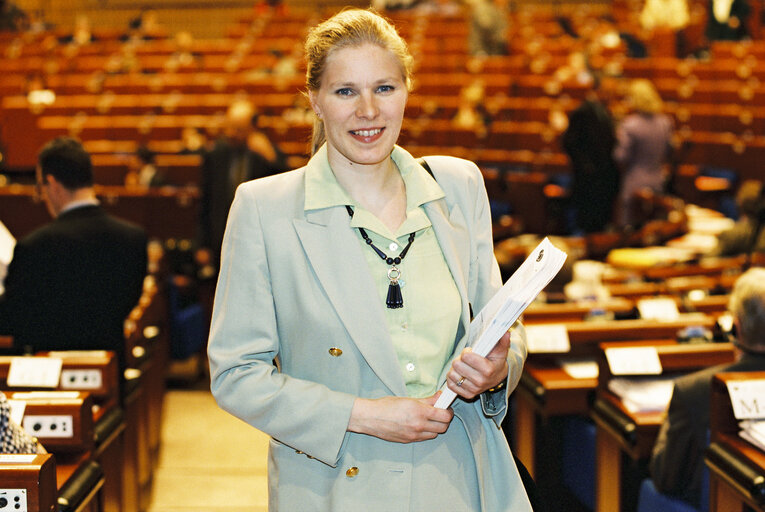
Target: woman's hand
x: 472, y: 374
x: 400, y: 420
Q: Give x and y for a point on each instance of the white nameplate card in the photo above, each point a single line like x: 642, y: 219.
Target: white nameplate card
x: 547, y: 338
x: 46, y: 395
x: 581, y: 368
x: 17, y: 458
x: 34, y: 372
x: 17, y: 410
x: 660, y: 308
x: 747, y: 398
x: 634, y: 361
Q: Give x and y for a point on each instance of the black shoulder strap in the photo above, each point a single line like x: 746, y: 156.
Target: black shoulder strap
x: 425, y: 166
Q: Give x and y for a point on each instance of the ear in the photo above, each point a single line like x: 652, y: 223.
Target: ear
x: 314, y: 103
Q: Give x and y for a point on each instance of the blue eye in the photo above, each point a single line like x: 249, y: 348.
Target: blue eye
x: 345, y: 91
x: 386, y: 88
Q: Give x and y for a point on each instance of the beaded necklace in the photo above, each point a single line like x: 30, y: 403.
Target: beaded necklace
x: 394, y: 300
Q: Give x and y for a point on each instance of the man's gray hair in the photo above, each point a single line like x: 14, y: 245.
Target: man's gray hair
x: 747, y: 304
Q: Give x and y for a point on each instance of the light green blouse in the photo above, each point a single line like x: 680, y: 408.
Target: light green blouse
x: 423, y: 331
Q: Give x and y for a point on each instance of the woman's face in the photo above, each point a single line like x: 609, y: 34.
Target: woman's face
x: 361, y: 102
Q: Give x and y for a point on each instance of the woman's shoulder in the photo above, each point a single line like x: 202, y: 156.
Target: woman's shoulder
x: 454, y: 169
x: 278, y: 184
x: 277, y: 192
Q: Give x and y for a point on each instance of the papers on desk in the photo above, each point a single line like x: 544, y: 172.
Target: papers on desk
x: 643, y: 395
x: 501, y: 312
x: 17, y: 410
x: 658, y: 308
x: 547, y: 338
x: 7, y: 243
x: 580, y: 368
x: 754, y: 432
x: 746, y: 398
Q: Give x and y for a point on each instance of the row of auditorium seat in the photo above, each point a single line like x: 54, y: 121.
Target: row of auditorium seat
x: 586, y: 449
x: 106, y: 463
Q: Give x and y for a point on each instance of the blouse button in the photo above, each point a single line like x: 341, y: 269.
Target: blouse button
x: 335, y: 352
x: 393, y: 246
x: 410, y: 367
x: 352, y: 472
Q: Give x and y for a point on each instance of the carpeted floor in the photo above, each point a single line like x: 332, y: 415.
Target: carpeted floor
x: 209, y: 460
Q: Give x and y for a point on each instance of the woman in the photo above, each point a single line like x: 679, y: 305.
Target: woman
x: 343, y: 300
x: 644, y: 143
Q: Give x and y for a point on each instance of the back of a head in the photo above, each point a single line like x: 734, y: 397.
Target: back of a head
x: 747, y: 304
x: 644, y: 97
x: 348, y: 29
x: 145, y: 154
x: 750, y: 198
x: 66, y: 160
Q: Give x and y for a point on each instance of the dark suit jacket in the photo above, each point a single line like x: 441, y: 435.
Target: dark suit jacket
x: 218, y: 188
x: 677, y: 461
x: 72, y: 282
x: 589, y: 143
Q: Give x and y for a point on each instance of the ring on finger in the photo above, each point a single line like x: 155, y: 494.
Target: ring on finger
x: 459, y: 382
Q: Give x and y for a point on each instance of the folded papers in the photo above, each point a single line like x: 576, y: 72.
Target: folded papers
x: 501, y: 312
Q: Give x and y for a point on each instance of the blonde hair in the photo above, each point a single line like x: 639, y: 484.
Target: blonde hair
x: 644, y: 97
x: 349, y: 29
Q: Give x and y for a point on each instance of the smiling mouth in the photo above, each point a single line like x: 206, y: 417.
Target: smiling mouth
x: 366, y: 133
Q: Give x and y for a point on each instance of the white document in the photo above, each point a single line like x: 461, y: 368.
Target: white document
x: 546, y: 338
x: 747, y: 397
x: 643, y: 395
x: 17, y: 410
x: 581, y: 368
x: 754, y: 432
x: 7, y: 244
x: 501, y: 312
x: 634, y: 361
x: 659, y: 308
x: 44, y: 372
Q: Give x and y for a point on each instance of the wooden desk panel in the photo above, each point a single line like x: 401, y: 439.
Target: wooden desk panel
x: 621, y: 432
x: 737, y: 468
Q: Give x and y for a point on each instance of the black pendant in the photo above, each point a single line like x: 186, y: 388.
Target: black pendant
x: 394, y: 299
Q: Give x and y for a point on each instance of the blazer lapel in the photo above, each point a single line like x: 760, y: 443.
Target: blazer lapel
x: 343, y: 273
x: 453, y: 237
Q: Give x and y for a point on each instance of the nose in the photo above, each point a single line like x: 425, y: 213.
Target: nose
x: 367, y: 106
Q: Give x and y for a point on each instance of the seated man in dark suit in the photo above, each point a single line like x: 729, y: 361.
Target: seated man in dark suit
x: 677, y: 462
x: 72, y: 282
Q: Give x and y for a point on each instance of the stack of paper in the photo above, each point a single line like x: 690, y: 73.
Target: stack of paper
x: 643, y: 395
x: 754, y: 432
x: 501, y: 312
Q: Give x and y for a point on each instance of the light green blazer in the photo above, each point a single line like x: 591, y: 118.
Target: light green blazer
x: 294, y: 287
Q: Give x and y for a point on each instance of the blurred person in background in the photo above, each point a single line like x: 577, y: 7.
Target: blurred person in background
x: 644, y: 144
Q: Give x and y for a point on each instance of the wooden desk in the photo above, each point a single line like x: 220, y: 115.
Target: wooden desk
x: 620, y: 432
x: 737, y: 468
x: 585, y: 336
x: 107, y: 422
x: 37, y: 478
x: 538, y: 313
x: 546, y: 391
x: 62, y: 482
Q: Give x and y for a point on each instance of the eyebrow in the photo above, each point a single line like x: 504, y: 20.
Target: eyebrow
x: 354, y: 84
